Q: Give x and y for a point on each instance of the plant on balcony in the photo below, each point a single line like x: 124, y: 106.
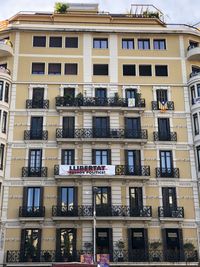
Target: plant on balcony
x: 155, y: 248
x: 79, y: 98
x: 190, y: 252
x: 155, y: 245
x: 47, y: 256
x: 30, y: 251
x: 147, y: 14
x: 61, y: 7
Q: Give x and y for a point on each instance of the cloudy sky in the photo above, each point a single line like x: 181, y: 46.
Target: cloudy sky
x: 176, y: 11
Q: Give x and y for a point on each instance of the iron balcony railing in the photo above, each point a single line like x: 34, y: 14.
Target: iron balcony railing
x: 167, y: 172
x: 117, y: 255
x: 102, y: 133
x: 62, y: 101
x: 171, y: 136
x: 123, y: 170
x: 34, y: 171
x: 35, y: 135
x: 175, y: 212
x: 192, y: 46
x: 31, y: 211
x: 42, y: 104
x: 193, y: 74
x: 101, y: 211
x: 156, y: 106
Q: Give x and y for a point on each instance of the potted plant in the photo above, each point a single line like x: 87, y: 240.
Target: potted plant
x: 190, y: 252
x: 79, y: 99
x: 155, y: 251
x: 61, y: 7
x: 47, y: 256
x: 120, y: 245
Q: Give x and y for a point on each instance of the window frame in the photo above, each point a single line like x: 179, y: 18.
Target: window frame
x: 71, y: 38
x: 2, y: 149
x: 144, y: 41
x: 99, y: 42
x: 145, y: 75
x: 159, y: 44
x: 163, y: 73
x: 128, y: 72
x: 105, y: 72
x: 196, y: 123
x: 38, y: 36
x: 54, y: 73
x: 198, y: 156
x: 58, y: 45
x: 74, y: 67
x: 38, y: 73
x: 127, y: 41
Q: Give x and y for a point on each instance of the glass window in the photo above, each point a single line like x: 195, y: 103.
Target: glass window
x: 35, y: 162
x: 1, y: 90
x: 67, y: 244
x: 54, y: 68
x: 6, y: 95
x: 166, y: 163
x: 103, y: 196
x: 193, y: 95
x: 30, y: 244
x: 1, y: 156
x: 4, y: 122
x: 100, y: 43
x: 198, y: 90
x: 101, y: 157
x: 39, y: 41
x: 145, y: 70
x: 38, y: 68
x: 161, y: 70
x: 196, y: 124
x: 133, y: 162
x: 55, y: 41
x: 71, y: 68
x: 159, y: 44
x: 67, y: 157
x: 129, y: 70
x: 67, y: 197
x: 198, y: 157
x: 127, y: 43
x: 143, y: 44
x: 33, y: 197
x: 71, y: 42
x: 100, y: 69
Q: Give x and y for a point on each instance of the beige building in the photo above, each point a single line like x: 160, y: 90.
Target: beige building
x: 97, y: 113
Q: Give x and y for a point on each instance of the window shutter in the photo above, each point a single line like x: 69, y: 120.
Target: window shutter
x: 25, y: 192
x: 41, y: 196
x: 109, y: 157
x: 59, y: 196
x: 139, y: 196
x: 130, y: 248
x: 146, y: 249
x: 73, y: 157
x: 22, y: 244
x: 94, y: 156
x: 74, y: 242
x: 109, y: 196
x: 126, y: 156
x: 58, y: 252
x: 39, y: 243
x: 164, y: 239
x: 110, y: 234
x: 75, y: 196
x: 180, y: 234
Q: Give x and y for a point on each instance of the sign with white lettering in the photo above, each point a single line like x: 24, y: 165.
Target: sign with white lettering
x: 86, y: 170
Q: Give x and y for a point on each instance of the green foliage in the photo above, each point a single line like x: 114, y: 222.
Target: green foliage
x: 120, y: 244
x: 147, y: 14
x: 61, y: 7
x: 188, y: 246
x: 155, y: 245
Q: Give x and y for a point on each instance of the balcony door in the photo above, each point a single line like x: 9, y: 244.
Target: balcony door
x: 101, y: 157
x: 164, y: 129
x: 35, y: 162
x: 33, y: 198
x: 135, y: 200
x: 101, y: 96
x: 67, y: 157
x: 67, y: 201
x: 68, y: 127
x: 69, y: 92
x: 101, y: 127
x: 38, y: 98
x: 103, y: 201
x: 169, y: 201
x: 166, y: 164
x: 104, y: 241
x: 36, y: 128
x: 133, y: 162
x: 132, y: 128
x: 161, y: 96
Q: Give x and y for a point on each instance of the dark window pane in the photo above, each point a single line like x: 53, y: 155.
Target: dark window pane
x: 161, y: 70
x: 129, y: 70
x: 100, y: 69
x: 198, y: 157
x: 100, y: 43
x: 6, y: 96
x: 145, y: 70
x: 4, y: 122
x: 159, y: 44
x: 54, y: 68
x: 196, y: 124
x: 55, y: 42
x: 38, y: 68
x: 1, y: 156
x: 143, y: 44
x: 71, y: 42
x: 71, y: 68
x: 127, y: 43
x: 1, y: 90
x: 67, y: 157
x: 39, y: 41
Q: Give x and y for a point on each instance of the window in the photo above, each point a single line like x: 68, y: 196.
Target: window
x: 38, y: 68
x: 101, y: 127
x: 193, y: 44
x: 161, y: 95
x: 101, y: 157
x: 68, y: 127
x: 39, y: 41
x: 193, y: 95
x: 161, y: 70
x: 166, y: 164
x: 100, y: 43
x: 71, y: 68
x: 4, y: 66
x: 100, y: 69
x: 196, y: 124
x: 6, y: 95
x: 198, y: 157
x: 145, y: 70
x: 198, y: 90
x: 55, y: 41
x: 169, y: 201
x: 35, y: 162
x: 69, y: 92
x: 38, y: 97
x: 4, y: 122
x: 135, y: 200
x: 54, y: 68
x: 103, y: 201
x: 131, y: 93
x: 143, y: 44
x: 66, y: 244
x: 127, y: 43
x: 67, y: 197
x: 67, y: 157
x: 159, y: 44
x: 36, y: 128
x: 164, y: 129
x: 1, y: 156
x: 133, y: 162
x: 33, y: 202
x: 132, y: 127
x: 33, y: 196
x: 1, y: 90
x: 129, y: 70
x: 71, y: 42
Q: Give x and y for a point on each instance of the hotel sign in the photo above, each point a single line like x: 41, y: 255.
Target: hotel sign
x: 86, y: 170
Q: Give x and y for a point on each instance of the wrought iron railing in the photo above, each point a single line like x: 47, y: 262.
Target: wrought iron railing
x: 102, y: 133
x: 171, y: 136
x: 71, y: 211
x: 34, y: 171
x: 42, y: 104
x: 31, y: 211
x: 175, y: 212
x: 35, y: 135
x: 167, y: 172
x: 169, y: 105
x: 62, y: 101
x: 192, y: 47
x: 193, y: 74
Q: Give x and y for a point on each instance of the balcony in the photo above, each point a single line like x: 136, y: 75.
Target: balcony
x: 34, y: 171
x: 42, y: 104
x: 167, y: 212
x: 193, y: 53
x: 31, y: 211
x: 6, y: 49
x: 102, y: 135
x: 194, y: 77
x: 155, y: 105
x: 35, y: 135
x: 171, y: 136
x: 92, y: 103
x: 72, y: 211
x: 167, y: 173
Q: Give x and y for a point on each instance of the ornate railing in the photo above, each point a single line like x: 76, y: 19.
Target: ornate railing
x: 132, y: 170
x: 35, y: 135
x: 42, y: 104
x: 102, y: 133
x: 34, y: 171
x: 175, y: 212
x: 171, y: 136
x: 167, y: 172
x: 71, y: 211
x: 62, y: 101
x: 169, y: 106
x: 31, y: 211
x: 192, y: 46
x: 193, y: 74
x: 5, y: 71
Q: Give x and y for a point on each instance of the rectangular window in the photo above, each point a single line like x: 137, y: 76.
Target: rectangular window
x: 30, y: 245
x: 69, y: 92
x: 143, y: 44
x: 164, y: 129
x: 127, y: 43
x: 55, y: 41
x: 54, y: 68
x: 103, y: 201
x: 100, y: 43
x: 4, y: 122
x: 198, y: 157
x: 101, y: 127
x: 193, y: 95
x: 100, y: 69
x: 66, y: 244
x: 161, y: 95
x: 38, y: 68
x: 159, y: 44
x: 135, y: 200
x: 133, y: 162
x: 67, y: 157
x: 68, y: 127
x: 71, y: 42
x: 145, y: 70
x: 67, y: 197
x: 101, y: 157
x: 71, y: 68
x: 198, y: 90
x: 1, y: 90
x: 33, y: 198
x: 35, y: 162
x: 166, y: 164
x: 196, y: 124
x: 129, y: 70
x: 36, y: 128
x: 132, y: 127
x: 39, y: 41
x: 38, y: 97
x: 2, y: 146
x: 6, y: 95
x: 161, y: 70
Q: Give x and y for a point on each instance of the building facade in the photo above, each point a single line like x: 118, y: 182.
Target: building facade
x: 98, y: 112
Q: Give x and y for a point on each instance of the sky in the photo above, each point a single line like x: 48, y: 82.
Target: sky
x: 175, y: 11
